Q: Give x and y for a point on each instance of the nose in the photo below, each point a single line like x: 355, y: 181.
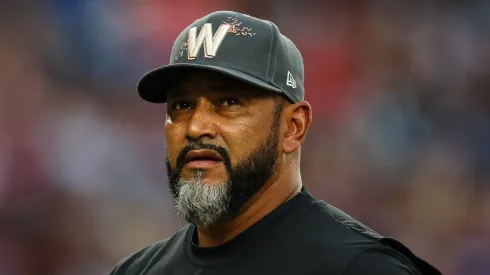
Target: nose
x: 202, y: 122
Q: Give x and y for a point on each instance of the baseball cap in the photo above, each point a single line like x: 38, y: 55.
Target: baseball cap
x: 237, y: 45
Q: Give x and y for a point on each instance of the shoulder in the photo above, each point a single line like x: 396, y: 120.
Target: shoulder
x: 333, y: 227
x: 343, y: 222
x: 358, y: 248
x: 139, y: 260
x: 380, y: 261
x: 387, y: 261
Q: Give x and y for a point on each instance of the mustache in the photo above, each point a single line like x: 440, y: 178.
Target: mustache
x: 202, y: 146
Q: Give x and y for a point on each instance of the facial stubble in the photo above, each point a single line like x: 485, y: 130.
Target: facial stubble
x: 204, y: 204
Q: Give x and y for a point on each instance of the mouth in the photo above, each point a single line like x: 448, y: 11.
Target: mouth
x: 202, y: 159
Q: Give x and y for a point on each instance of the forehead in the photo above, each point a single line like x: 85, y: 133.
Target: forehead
x: 199, y: 82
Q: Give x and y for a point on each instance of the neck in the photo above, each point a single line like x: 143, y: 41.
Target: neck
x: 265, y: 201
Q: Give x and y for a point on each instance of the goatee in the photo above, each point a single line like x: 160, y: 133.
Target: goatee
x: 204, y: 204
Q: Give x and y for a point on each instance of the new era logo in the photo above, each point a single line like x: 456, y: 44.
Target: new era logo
x: 290, y: 81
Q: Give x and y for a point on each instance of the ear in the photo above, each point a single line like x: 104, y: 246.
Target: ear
x: 299, y: 118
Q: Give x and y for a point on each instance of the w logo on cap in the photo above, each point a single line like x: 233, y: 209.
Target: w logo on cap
x: 211, y: 42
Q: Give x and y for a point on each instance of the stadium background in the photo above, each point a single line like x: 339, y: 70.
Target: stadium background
x: 400, y: 138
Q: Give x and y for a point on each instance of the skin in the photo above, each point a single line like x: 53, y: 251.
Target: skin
x: 216, y: 109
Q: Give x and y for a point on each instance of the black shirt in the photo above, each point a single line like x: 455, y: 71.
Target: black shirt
x: 303, y: 236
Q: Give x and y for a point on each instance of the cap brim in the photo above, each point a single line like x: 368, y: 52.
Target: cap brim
x: 153, y: 85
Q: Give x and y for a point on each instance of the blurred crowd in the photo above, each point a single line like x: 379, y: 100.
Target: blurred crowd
x: 399, y: 140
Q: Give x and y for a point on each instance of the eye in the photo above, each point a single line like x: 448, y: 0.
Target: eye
x: 229, y: 102
x: 181, y: 105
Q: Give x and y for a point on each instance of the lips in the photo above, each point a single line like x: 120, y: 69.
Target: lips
x: 202, y: 158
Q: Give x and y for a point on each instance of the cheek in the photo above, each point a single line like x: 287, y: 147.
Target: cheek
x: 243, y: 138
x: 175, y: 139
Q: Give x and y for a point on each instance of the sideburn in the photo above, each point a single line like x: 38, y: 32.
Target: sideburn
x: 252, y: 174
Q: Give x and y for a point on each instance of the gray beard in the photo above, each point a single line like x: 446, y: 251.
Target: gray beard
x: 202, y: 203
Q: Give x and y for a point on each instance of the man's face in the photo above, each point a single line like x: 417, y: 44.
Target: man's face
x: 222, y: 145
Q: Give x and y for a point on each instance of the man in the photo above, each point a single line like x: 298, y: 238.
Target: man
x: 236, y: 119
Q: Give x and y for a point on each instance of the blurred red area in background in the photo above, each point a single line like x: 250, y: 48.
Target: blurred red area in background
x: 399, y: 140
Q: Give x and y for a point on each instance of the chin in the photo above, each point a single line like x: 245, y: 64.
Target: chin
x: 204, y: 176
x: 207, y: 181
